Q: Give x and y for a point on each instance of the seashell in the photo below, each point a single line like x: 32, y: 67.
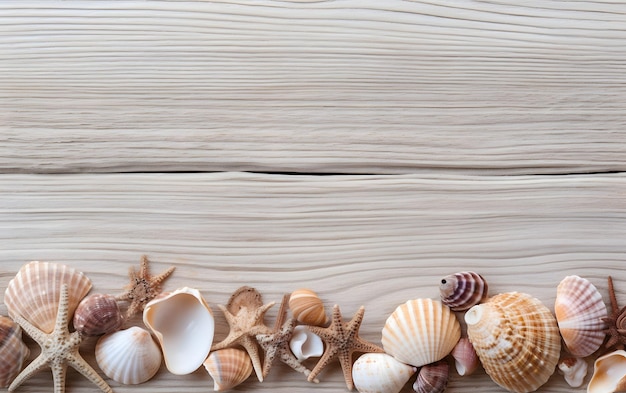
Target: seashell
x: 579, y: 310
x: 420, y: 332
x: 574, y: 370
x: 432, y: 378
x: 380, y: 373
x: 305, y: 344
x: 609, y: 373
x: 35, y: 291
x: 465, y: 358
x: 98, y: 314
x: 228, y: 367
x: 516, y: 339
x: 128, y: 356
x: 462, y: 290
x: 13, y: 351
x: 184, y: 326
x: 307, y: 307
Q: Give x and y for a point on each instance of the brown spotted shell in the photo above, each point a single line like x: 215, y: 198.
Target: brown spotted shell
x: 307, y: 307
x: 98, y: 314
x: 432, y: 378
x: 13, y: 351
x: 462, y: 290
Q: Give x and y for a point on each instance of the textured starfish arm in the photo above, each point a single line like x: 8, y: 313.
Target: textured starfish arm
x: 31, y: 330
x: 79, y: 364
x: 292, y: 362
x: 34, y: 367
x: 63, y: 312
x: 161, y: 277
x: 59, y: 370
x: 345, y: 359
x: 326, y: 358
x: 363, y: 346
x: 253, y: 351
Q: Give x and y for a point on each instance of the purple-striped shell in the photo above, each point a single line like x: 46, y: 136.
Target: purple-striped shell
x: 13, y: 351
x: 462, y: 290
x: 98, y: 314
x: 432, y: 378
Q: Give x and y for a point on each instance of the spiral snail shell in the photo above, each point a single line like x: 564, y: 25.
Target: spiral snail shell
x: 462, y: 290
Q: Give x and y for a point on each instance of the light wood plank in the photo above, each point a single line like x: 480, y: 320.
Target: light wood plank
x: 373, y: 240
x: 326, y: 86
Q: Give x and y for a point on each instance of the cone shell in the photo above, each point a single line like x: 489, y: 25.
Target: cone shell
x: 420, y: 332
x: 13, y: 351
x: 462, y: 290
x: 380, y: 373
x: 305, y: 344
x: 579, y: 310
x: 307, y: 307
x: 98, y: 314
x: 609, y: 373
x: 35, y: 291
x: 228, y: 367
x: 465, y: 358
x: 517, y: 340
x: 432, y: 378
x: 128, y: 356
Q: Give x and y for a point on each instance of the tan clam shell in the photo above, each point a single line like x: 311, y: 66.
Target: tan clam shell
x: 462, y: 290
x: 420, y: 331
x: 609, y: 373
x: 98, y: 314
x: 13, y: 351
x: 579, y: 310
x: 517, y: 340
x: 128, y: 356
x: 35, y: 291
x: 379, y: 372
x: 228, y: 367
x: 432, y: 378
x: 307, y: 307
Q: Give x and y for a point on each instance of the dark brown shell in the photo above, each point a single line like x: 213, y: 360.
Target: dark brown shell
x: 432, y: 378
x: 98, y: 314
x: 461, y: 291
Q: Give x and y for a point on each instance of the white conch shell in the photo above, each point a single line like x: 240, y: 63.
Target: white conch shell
x: 379, y: 372
x: 183, y: 324
x: 574, y: 370
x: 128, y: 356
x: 465, y: 358
x: 609, y: 373
x: 35, y: 291
x: 228, y: 367
x: 580, y: 310
x: 420, y: 332
x: 305, y: 344
x: 13, y: 351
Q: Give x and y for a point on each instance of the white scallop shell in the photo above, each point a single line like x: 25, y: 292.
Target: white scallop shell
x: 183, y: 324
x: 379, y: 372
x: 128, y: 356
x: 420, y: 332
x: 228, y: 367
x: 305, y: 344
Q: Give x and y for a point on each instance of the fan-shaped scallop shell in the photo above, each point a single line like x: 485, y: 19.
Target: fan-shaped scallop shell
x: 128, y: 356
x: 420, y: 332
x: 432, y: 378
x: 13, y: 351
x: 609, y: 373
x: 379, y: 372
x: 228, y: 367
x: 579, y: 310
x: 98, y: 314
x: 35, y: 291
x: 462, y: 290
x: 517, y: 340
x: 307, y: 307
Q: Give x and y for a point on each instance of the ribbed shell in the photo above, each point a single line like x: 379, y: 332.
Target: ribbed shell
x: 579, y: 310
x: 35, y: 291
x: 13, y: 351
x: 228, y: 367
x: 420, y: 332
x: 432, y: 378
x: 307, y: 307
x: 380, y: 373
x: 98, y: 314
x: 517, y: 340
x: 462, y: 290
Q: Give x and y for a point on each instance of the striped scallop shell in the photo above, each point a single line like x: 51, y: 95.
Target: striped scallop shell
x: 128, y: 356
x: 228, y: 367
x: 379, y: 372
x: 13, y: 351
x: 420, y: 332
x: 517, y: 340
x: 98, y: 314
x: 579, y: 310
x: 462, y: 290
x: 35, y: 291
x: 307, y: 307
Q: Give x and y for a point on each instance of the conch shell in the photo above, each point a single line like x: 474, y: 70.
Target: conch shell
x: 307, y: 307
x: 462, y: 290
x: 379, y: 372
x: 228, y: 367
x: 517, y: 340
x: 609, y: 373
x: 13, y: 351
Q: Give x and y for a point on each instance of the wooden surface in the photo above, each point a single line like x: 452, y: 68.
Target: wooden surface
x: 442, y: 136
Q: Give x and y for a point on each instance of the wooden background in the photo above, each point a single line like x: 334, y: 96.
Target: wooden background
x: 362, y: 148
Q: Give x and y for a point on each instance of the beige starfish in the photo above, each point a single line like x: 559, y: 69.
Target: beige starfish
x: 58, y: 350
x: 142, y: 287
x: 342, y: 339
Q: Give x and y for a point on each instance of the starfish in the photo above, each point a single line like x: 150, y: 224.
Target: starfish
x: 342, y: 339
x: 58, y: 350
x: 616, y: 322
x: 142, y: 287
x: 276, y: 343
x: 244, y: 313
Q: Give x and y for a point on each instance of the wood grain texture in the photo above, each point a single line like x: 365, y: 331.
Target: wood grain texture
x: 313, y: 86
x: 357, y: 240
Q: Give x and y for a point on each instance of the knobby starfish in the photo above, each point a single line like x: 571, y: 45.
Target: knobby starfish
x: 616, y: 322
x: 276, y: 343
x: 58, y: 350
x: 142, y: 287
x: 342, y: 339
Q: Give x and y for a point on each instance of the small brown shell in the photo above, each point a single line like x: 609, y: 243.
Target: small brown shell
x: 462, y: 290
x: 228, y: 367
x: 432, y: 378
x: 13, y: 351
x: 307, y: 307
x: 98, y: 314
x: 465, y: 357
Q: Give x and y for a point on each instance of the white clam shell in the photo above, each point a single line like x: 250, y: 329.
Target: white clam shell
x: 609, y: 373
x: 380, y: 373
x: 183, y: 324
x: 128, y: 356
x: 305, y: 344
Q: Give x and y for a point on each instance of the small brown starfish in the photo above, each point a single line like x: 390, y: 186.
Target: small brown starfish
x: 58, y: 350
x: 616, y: 331
x: 142, y: 287
x: 342, y: 339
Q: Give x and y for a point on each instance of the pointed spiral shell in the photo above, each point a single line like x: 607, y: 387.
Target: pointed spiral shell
x: 462, y: 290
